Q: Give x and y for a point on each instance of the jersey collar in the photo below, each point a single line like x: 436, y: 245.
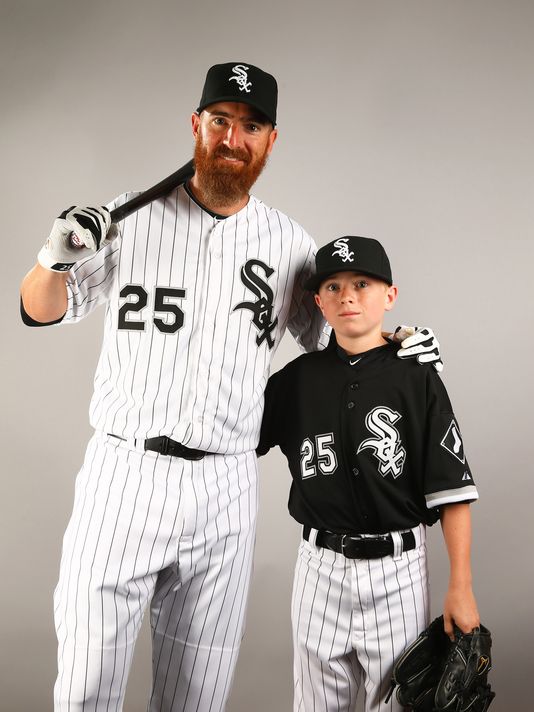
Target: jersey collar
x: 203, y: 207
x: 353, y: 360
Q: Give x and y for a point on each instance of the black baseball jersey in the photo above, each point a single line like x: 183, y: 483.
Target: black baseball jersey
x: 371, y: 440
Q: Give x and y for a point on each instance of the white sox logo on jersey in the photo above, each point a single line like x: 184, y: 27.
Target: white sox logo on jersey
x: 262, y: 309
x: 452, y: 442
x: 343, y: 250
x: 241, y: 77
x: 387, y: 446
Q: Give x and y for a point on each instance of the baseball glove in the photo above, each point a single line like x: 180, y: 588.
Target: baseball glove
x: 435, y: 674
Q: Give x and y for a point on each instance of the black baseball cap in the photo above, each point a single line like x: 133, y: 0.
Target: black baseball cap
x: 364, y: 255
x: 241, y: 82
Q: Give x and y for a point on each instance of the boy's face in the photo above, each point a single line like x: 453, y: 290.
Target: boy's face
x: 354, y: 304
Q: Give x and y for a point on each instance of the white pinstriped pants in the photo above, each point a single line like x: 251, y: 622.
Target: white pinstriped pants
x: 351, y: 619
x: 176, y: 533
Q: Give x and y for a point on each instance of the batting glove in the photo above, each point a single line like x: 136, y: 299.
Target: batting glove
x: 76, y: 234
x: 420, y: 342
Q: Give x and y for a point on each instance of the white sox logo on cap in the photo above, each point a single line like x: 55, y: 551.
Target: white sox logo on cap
x: 241, y: 77
x: 343, y: 250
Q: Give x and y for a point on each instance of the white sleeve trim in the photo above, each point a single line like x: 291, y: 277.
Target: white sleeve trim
x: 462, y: 494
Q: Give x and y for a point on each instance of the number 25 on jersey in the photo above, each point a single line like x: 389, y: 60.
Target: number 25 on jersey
x: 165, y: 304
x: 318, y: 455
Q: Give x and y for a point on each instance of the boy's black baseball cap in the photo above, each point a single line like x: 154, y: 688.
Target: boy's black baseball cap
x: 364, y: 255
x: 241, y: 82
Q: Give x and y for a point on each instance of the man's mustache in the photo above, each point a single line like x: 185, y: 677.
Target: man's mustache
x: 237, y: 153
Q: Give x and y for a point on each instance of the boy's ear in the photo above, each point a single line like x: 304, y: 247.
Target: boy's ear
x: 318, y: 301
x: 391, y: 297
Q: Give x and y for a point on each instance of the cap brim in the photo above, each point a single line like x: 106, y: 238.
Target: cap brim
x: 237, y: 100
x: 313, y: 283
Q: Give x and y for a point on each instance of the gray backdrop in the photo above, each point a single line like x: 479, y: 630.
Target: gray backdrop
x: 407, y: 120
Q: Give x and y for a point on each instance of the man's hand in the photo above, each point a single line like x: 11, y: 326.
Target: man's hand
x: 76, y: 234
x: 420, y: 342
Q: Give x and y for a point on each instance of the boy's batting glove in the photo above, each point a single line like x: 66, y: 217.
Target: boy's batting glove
x: 76, y: 234
x: 420, y: 342
x: 435, y: 674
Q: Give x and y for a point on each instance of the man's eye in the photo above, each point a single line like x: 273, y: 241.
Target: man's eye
x: 361, y: 284
x: 331, y: 287
x: 253, y: 128
x: 218, y: 120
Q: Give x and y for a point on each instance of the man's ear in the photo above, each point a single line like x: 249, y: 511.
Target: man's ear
x: 272, y: 138
x: 195, y: 123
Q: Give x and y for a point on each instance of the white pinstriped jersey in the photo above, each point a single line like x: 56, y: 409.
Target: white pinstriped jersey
x: 195, y: 308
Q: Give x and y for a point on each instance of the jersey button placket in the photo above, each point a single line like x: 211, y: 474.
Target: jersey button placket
x: 197, y: 389
x: 215, y: 242
x: 216, y: 239
x: 351, y: 405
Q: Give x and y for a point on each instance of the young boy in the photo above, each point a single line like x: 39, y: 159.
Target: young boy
x: 376, y: 455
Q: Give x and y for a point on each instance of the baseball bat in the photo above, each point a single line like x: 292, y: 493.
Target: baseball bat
x: 157, y: 191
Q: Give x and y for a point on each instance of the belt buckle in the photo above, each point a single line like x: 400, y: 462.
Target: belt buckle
x: 164, y: 449
x: 346, y: 542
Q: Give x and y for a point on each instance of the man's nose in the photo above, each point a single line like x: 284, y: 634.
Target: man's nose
x: 234, y: 136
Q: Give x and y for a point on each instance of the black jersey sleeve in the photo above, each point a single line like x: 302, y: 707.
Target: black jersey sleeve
x: 448, y: 477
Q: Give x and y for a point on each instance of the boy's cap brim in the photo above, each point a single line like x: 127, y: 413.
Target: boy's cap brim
x: 315, y: 281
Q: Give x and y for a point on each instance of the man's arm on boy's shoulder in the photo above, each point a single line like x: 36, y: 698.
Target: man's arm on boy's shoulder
x: 460, y: 606
x: 418, y: 342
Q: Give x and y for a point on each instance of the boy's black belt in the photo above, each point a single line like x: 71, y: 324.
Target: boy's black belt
x: 360, y: 547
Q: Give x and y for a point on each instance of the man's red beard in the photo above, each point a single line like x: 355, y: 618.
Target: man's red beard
x: 221, y: 182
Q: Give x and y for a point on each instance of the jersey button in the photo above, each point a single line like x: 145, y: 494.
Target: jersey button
x: 350, y: 404
x: 354, y: 386
x: 355, y: 471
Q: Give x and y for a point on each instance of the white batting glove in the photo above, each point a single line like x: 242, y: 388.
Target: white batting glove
x: 420, y: 342
x: 76, y: 234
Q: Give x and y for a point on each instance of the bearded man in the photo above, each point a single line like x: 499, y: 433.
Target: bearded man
x: 198, y: 288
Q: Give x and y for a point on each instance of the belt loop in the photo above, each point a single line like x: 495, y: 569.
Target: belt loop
x: 397, y: 545
x: 312, y: 536
x: 164, y: 449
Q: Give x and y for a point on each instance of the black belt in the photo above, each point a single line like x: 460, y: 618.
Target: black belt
x: 360, y: 547
x: 166, y: 446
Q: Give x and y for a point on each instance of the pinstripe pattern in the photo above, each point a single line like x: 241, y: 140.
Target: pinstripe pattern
x: 179, y: 532
x: 203, y: 385
x: 351, y: 619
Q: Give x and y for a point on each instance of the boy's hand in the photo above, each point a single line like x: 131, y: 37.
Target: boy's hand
x: 460, y: 609
x: 420, y: 342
